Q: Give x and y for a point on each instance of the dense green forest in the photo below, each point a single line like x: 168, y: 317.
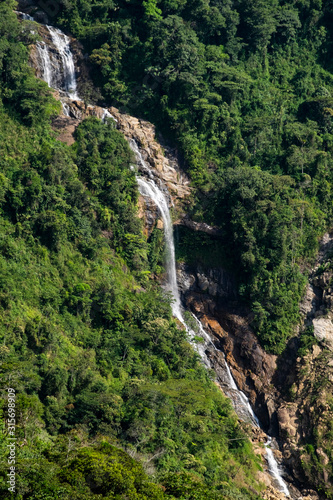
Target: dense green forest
x: 245, y: 90
x: 111, y: 399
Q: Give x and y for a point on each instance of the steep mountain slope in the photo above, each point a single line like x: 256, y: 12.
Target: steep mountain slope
x: 104, y: 377
x: 244, y: 91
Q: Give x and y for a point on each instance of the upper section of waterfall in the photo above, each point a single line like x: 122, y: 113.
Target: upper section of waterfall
x: 68, y: 78
x: 56, y: 61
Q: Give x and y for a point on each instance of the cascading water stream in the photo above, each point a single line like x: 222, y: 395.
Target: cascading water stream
x: 58, y: 68
x: 148, y: 188
x: 274, y: 469
x: 44, y: 55
x: 64, y: 79
x: 62, y: 44
x: 58, y: 72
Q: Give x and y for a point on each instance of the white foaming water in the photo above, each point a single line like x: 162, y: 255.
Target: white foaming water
x: 25, y: 16
x: 149, y: 189
x: 62, y: 44
x: 274, y: 468
x: 46, y: 66
x: 107, y: 114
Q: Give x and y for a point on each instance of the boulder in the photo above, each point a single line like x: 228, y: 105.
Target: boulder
x: 323, y: 331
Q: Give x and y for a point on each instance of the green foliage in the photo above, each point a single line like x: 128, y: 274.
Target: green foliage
x: 245, y: 90
x: 109, y: 473
x: 307, y: 341
x: 100, y: 368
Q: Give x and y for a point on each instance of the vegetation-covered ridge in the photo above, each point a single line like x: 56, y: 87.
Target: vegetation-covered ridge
x: 111, y: 400
x: 245, y: 88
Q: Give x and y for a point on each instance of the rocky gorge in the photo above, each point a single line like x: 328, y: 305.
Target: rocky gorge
x: 291, y: 394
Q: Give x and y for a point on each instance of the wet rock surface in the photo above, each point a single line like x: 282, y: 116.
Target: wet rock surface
x: 280, y: 389
x: 212, y: 295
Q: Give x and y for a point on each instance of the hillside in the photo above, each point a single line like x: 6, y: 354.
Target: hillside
x: 113, y: 400
x: 107, y: 386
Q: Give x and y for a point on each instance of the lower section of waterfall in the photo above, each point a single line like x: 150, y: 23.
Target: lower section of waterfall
x: 149, y: 189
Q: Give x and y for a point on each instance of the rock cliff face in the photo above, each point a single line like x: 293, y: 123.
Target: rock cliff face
x: 289, y: 416
x: 306, y: 417
x: 161, y: 162
x: 292, y: 395
x: 212, y: 296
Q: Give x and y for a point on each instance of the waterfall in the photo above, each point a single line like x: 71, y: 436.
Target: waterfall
x: 239, y: 400
x: 107, y: 114
x: 24, y: 16
x: 148, y: 188
x: 274, y: 468
x: 52, y: 73
x: 57, y: 68
x: 44, y: 55
x: 62, y: 44
x: 66, y: 109
x: 58, y: 76
x: 140, y: 161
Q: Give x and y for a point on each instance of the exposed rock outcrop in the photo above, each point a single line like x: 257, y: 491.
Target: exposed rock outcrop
x: 323, y: 331
x: 164, y: 160
x: 291, y: 413
x: 212, y: 295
